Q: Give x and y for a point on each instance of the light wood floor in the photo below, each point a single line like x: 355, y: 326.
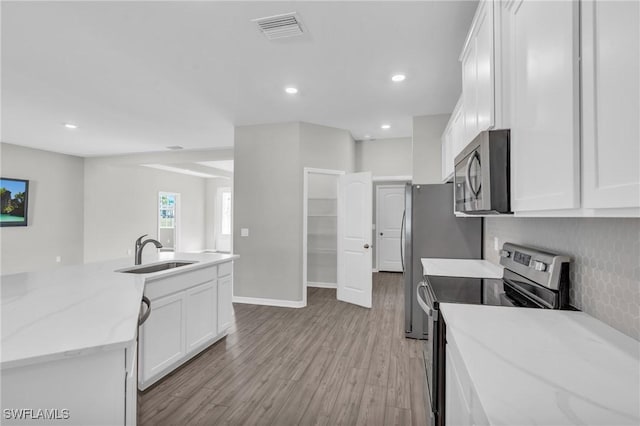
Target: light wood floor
x: 330, y: 363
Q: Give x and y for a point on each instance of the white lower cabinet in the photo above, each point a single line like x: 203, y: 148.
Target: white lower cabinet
x: 97, y: 388
x: 202, y: 322
x: 224, y: 303
x: 462, y: 405
x: 456, y: 402
x: 162, y: 337
x: 189, y: 312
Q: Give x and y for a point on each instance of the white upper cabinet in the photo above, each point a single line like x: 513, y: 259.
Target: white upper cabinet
x: 478, y: 73
x: 611, y: 104
x: 447, y: 154
x: 453, y: 141
x: 545, y: 83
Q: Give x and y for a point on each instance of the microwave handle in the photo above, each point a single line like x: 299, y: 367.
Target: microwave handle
x: 468, y: 174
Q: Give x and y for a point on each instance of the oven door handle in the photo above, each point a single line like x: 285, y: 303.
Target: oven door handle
x: 423, y: 304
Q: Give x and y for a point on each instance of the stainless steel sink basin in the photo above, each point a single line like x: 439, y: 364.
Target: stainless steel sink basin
x: 156, y: 267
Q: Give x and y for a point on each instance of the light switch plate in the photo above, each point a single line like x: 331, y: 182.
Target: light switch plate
x: 496, y: 244
x: 244, y: 232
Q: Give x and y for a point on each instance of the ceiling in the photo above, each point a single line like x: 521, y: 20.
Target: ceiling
x: 142, y: 76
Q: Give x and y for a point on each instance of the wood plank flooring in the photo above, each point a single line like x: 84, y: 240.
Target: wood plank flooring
x: 330, y: 363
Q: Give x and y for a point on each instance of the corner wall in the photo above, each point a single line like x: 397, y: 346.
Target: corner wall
x: 268, y: 184
x: 427, y: 148
x: 385, y: 157
x: 55, y: 216
x: 268, y: 198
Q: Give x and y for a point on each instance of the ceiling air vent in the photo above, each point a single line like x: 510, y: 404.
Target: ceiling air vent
x: 280, y: 26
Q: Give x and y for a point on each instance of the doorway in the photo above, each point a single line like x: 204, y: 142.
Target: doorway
x: 168, y: 219
x: 320, y: 235
x: 223, y: 217
x: 389, y: 209
x: 336, y: 236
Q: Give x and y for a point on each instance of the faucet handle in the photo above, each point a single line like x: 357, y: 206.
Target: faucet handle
x: 139, y: 240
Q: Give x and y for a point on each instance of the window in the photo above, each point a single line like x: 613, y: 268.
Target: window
x: 225, y: 224
x: 167, y: 211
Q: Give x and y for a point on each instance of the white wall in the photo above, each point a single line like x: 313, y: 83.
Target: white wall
x: 268, y: 179
x: 267, y: 201
x: 325, y: 147
x: 385, y: 157
x: 121, y: 202
x: 55, y: 216
x: 427, y: 147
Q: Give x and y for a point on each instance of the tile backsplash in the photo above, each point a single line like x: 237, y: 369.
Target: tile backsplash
x: 605, y: 273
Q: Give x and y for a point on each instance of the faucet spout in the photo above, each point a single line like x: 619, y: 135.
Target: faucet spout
x: 140, y: 245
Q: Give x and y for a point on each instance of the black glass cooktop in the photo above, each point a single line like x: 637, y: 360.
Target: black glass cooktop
x: 472, y: 291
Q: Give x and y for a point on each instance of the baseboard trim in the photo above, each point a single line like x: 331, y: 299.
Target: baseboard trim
x: 374, y: 270
x: 269, y: 302
x: 322, y: 285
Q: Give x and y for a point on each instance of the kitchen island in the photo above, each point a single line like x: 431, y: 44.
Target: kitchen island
x: 69, y: 337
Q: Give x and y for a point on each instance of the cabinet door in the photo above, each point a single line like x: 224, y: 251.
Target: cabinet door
x: 485, y: 64
x: 458, y: 131
x: 456, y: 405
x: 469, y: 92
x: 545, y: 151
x: 447, y: 154
x: 611, y: 103
x: 162, y: 336
x: 224, y: 303
x: 202, y: 319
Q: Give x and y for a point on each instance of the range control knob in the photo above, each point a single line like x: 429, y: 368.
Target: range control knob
x: 539, y: 266
x: 505, y: 253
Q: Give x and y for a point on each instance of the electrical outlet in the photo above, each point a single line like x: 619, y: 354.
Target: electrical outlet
x: 58, y: 259
x: 496, y: 244
x: 244, y: 232
x: 128, y: 251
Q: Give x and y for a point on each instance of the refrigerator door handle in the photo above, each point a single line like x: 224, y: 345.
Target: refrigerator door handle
x: 404, y: 216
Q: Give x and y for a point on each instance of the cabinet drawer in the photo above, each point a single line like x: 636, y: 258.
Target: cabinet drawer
x: 164, y: 286
x: 225, y: 269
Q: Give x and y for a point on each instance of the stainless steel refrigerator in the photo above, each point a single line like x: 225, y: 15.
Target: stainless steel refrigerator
x: 430, y: 229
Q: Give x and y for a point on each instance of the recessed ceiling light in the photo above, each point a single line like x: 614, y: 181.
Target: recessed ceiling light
x: 70, y: 126
x: 398, y: 78
x: 385, y: 126
x: 291, y: 90
x: 367, y: 136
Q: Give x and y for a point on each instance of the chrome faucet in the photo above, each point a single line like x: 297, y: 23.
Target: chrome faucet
x: 140, y: 245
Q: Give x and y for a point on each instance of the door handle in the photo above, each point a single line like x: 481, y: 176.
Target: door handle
x: 367, y: 246
x: 381, y: 234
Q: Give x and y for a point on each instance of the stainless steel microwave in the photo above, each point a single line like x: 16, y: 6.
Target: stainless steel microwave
x: 481, y: 179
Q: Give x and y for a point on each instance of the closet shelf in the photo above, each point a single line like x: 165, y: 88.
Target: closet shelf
x: 321, y: 251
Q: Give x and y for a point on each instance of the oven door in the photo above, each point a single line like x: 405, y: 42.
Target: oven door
x: 426, y: 301
x: 468, y: 183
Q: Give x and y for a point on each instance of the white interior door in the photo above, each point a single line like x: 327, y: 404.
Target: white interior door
x: 354, y: 238
x: 389, y: 209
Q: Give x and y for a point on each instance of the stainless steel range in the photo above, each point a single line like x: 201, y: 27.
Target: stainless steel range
x: 532, y: 279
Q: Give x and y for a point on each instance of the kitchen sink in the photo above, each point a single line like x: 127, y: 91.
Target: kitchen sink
x: 157, y: 267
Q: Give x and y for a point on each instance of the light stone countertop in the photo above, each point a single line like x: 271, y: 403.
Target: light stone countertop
x: 464, y: 268
x: 73, y: 310
x: 546, y: 367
